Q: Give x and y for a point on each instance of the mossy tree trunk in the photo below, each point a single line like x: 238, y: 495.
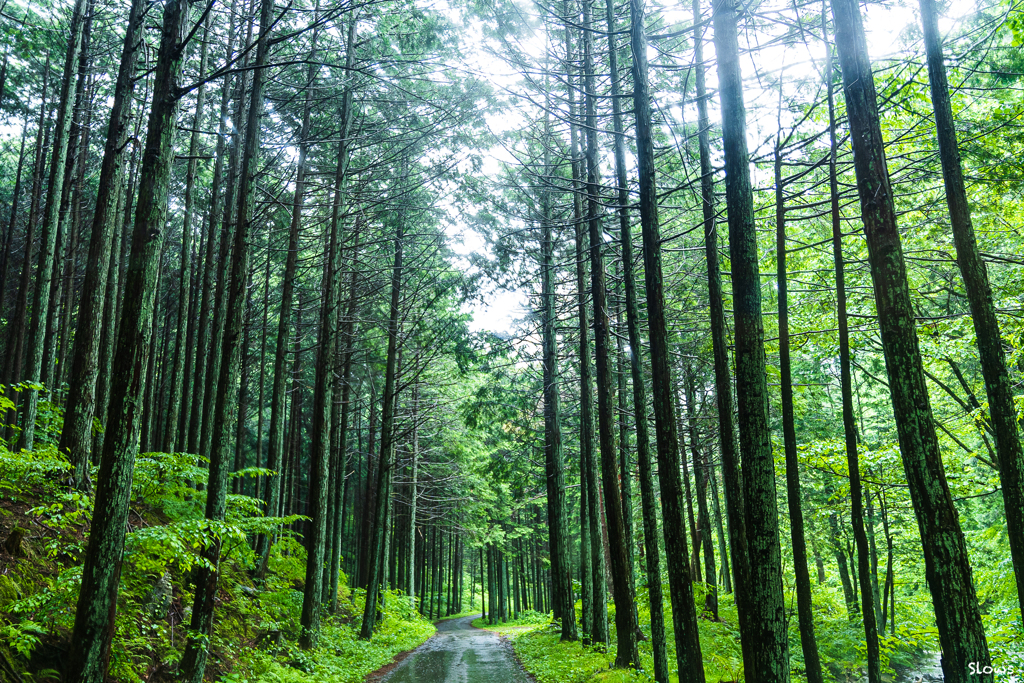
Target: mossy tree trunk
x: 1002, y: 412
x: 947, y: 566
x: 794, y: 497
x: 46, y: 258
x: 381, y: 511
x: 626, y: 654
x: 225, y: 411
x: 101, y: 572
x: 323, y: 388
x: 767, y: 633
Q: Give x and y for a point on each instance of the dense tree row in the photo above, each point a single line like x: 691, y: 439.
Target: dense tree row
x: 818, y: 153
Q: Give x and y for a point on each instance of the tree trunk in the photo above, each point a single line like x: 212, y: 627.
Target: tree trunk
x: 947, y: 566
x: 627, y: 653
x: 51, y: 223
x: 178, y: 383
x: 648, y: 496
x: 794, y: 497
x: 16, y: 328
x: 204, y: 334
x: 688, y: 656
x: 619, y: 146
x: 196, y: 651
x: 564, y: 607
x: 769, y: 651
x: 370, y: 495
x: 63, y: 249
x: 278, y: 395
x: 349, y: 335
x: 703, y: 520
x: 386, y: 463
x: 97, y: 602
x: 1002, y: 412
x: 595, y: 619
x: 323, y: 394
x: 12, y: 219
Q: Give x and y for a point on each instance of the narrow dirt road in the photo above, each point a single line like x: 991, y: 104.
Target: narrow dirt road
x: 459, y: 653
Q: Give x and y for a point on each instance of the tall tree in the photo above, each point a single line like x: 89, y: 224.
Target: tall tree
x: 101, y: 573
x: 733, y: 480
x: 563, y: 604
x: 226, y: 406
x: 626, y: 653
x: 323, y: 395
x: 51, y: 221
x: 1001, y: 408
x: 947, y: 565
x: 769, y: 651
x: 689, y: 662
x: 648, y: 496
x: 179, y: 386
x: 76, y: 434
x: 846, y: 388
x: 381, y: 512
x: 794, y: 494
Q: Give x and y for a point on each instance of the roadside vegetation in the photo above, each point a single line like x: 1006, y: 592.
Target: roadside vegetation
x: 256, y: 634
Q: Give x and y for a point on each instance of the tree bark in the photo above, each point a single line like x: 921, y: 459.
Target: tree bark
x: 278, y: 394
x: 648, y: 496
x: 564, y: 606
x: 51, y: 223
x: 76, y: 435
x: 767, y: 633
x: 16, y: 328
x: 178, y: 384
x: 323, y: 394
x: 794, y: 496
x: 595, y: 619
x: 225, y: 408
x: 386, y: 463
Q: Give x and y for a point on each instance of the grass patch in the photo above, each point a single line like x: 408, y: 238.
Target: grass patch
x: 537, y: 643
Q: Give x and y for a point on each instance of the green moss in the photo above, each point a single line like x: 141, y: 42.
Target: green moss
x: 9, y: 591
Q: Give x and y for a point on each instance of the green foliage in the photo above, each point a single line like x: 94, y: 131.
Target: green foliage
x: 26, y: 472
x: 22, y: 637
x: 257, y: 626
x: 341, y: 656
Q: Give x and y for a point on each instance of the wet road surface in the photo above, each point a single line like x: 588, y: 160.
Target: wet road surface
x: 459, y: 653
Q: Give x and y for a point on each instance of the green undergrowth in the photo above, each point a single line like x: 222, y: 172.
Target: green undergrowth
x: 43, y: 535
x: 537, y: 644
x: 340, y: 656
x: 536, y: 641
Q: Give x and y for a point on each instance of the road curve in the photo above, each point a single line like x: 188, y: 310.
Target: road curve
x: 459, y: 653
